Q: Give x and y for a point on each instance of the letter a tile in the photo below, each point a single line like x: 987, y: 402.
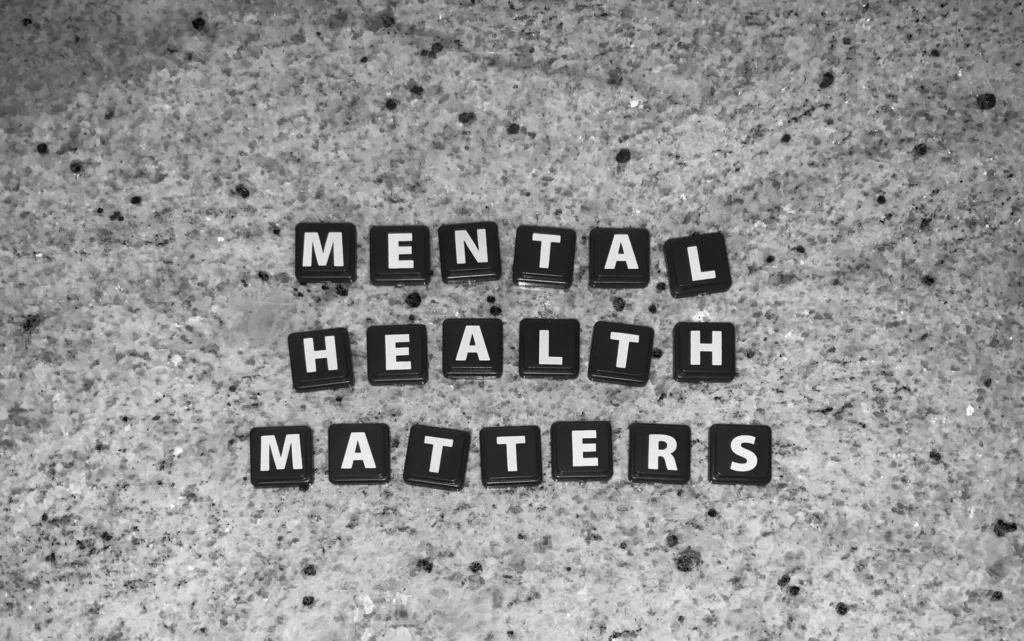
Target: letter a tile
x: 359, y: 453
x: 325, y: 252
x: 471, y: 348
x: 620, y: 258
x: 697, y: 265
x: 320, y: 359
x: 281, y: 456
x: 437, y: 457
x: 659, y: 453
x: 740, y: 454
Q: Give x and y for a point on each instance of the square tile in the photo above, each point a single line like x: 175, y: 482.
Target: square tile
x: 659, y: 453
x: 621, y: 354
x: 396, y: 354
x: 469, y: 252
x: 544, y: 257
x: 549, y: 348
x: 325, y: 252
x: 620, y: 257
x: 581, y: 451
x: 697, y: 265
x: 281, y: 456
x: 740, y: 454
x: 704, y: 352
x: 359, y: 453
x: 437, y: 457
x: 510, y: 456
x: 321, y: 359
x: 471, y: 347
x: 400, y: 255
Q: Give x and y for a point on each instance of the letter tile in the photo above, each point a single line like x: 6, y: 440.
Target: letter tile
x: 659, y: 453
x: 704, y: 352
x: 472, y: 347
x: 469, y: 252
x: 359, y: 453
x: 620, y: 258
x: 581, y: 451
x: 697, y: 265
x: 320, y: 359
x: 396, y: 354
x: 281, y: 456
x: 549, y: 348
x: 740, y: 454
x: 437, y: 457
x: 510, y: 456
x: 325, y: 252
x: 400, y: 255
x: 544, y: 257
x: 621, y: 354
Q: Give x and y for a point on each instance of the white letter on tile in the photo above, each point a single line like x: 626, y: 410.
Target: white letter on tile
x: 545, y: 241
x: 695, y: 271
x: 392, y: 351
x: 268, y: 449
x: 750, y: 459
x: 396, y: 250
x: 624, y: 341
x: 311, y: 245
x: 472, y: 341
x: 579, y: 448
x: 696, y: 347
x: 510, y: 443
x: 313, y: 355
x: 622, y: 250
x: 437, y: 446
x: 661, y: 446
x: 358, y: 449
x: 544, y: 343
x: 478, y: 249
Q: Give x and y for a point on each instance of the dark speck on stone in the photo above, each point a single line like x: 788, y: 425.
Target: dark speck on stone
x: 784, y: 581
x: 42, y: 148
x: 986, y: 101
x: 661, y: 287
x: 513, y: 129
x: 30, y: 323
x: 826, y: 80
x: 276, y: 230
x: 491, y: 299
x: 340, y: 290
x: 309, y: 570
x: 794, y: 590
x: 264, y: 276
x: 926, y: 224
x: 391, y: 104
x: 198, y: 24
x: 657, y: 353
x: 495, y: 310
x: 242, y: 190
x: 786, y: 138
x: 671, y: 540
x: 307, y: 601
x: 623, y: 156
x: 935, y: 456
x: 934, y: 53
x: 76, y: 166
x: 116, y: 216
x: 847, y: 41
x: 880, y: 200
x: 26, y: 22
x: 712, y: 512
x: 1002, y: 528
x: 467, y: 117
x: 841, y: 608
x: 416, y: 90
x: 436, y: 48
x: 921, y: 149
x: 475, y: 567
x: 800, y: 249
x: 426, y: 565
x: 136, y: 200
x: 928, y: 280
x: 363, y: 59
x: 106, y: 536
x: 997, y: 595
x: 618, y: 304
x: 770, y: 259
x: 988, y: 382
x: 653, y: 309
x: 413, y: 299
x: 511, y: 633
x: 689, y: 560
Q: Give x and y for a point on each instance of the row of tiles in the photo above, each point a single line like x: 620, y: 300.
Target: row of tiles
x: 436, y: 457
x: 620, y: 258
x: 548, y: 348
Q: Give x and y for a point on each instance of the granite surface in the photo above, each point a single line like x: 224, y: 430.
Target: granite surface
x: 870, y: 191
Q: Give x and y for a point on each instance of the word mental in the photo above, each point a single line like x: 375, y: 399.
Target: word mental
x: 360, y: 453
x: 544, y: 256
x: 548, y: 348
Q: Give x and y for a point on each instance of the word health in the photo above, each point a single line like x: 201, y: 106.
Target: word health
x: 544, y: 256
x: 548, y: 348
x: 436, y: 457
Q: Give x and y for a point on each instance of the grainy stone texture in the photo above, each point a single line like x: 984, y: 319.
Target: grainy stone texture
x: 140, y: 344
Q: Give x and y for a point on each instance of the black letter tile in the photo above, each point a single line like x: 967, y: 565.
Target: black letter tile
x: 471, y: 348
x: 740, y: 454
x: 396, y: 354
x: 704, y: 352
x: 549, y: 348
x: 544, y: 257
x: 469, y: 252
x: 325, y: 252
x: 281, y: 456
x: 621, y: 354
x: 620, y: 258
x: 510, y: 456
x: 400, y: 255
x: 437, y: 457
x: 321, y: 359
x: 697, y: 265
x: 581, y: 451
x: 359, y: 453
x: 659, y: 453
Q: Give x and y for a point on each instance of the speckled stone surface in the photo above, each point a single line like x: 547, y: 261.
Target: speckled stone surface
x: 872, y: 208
